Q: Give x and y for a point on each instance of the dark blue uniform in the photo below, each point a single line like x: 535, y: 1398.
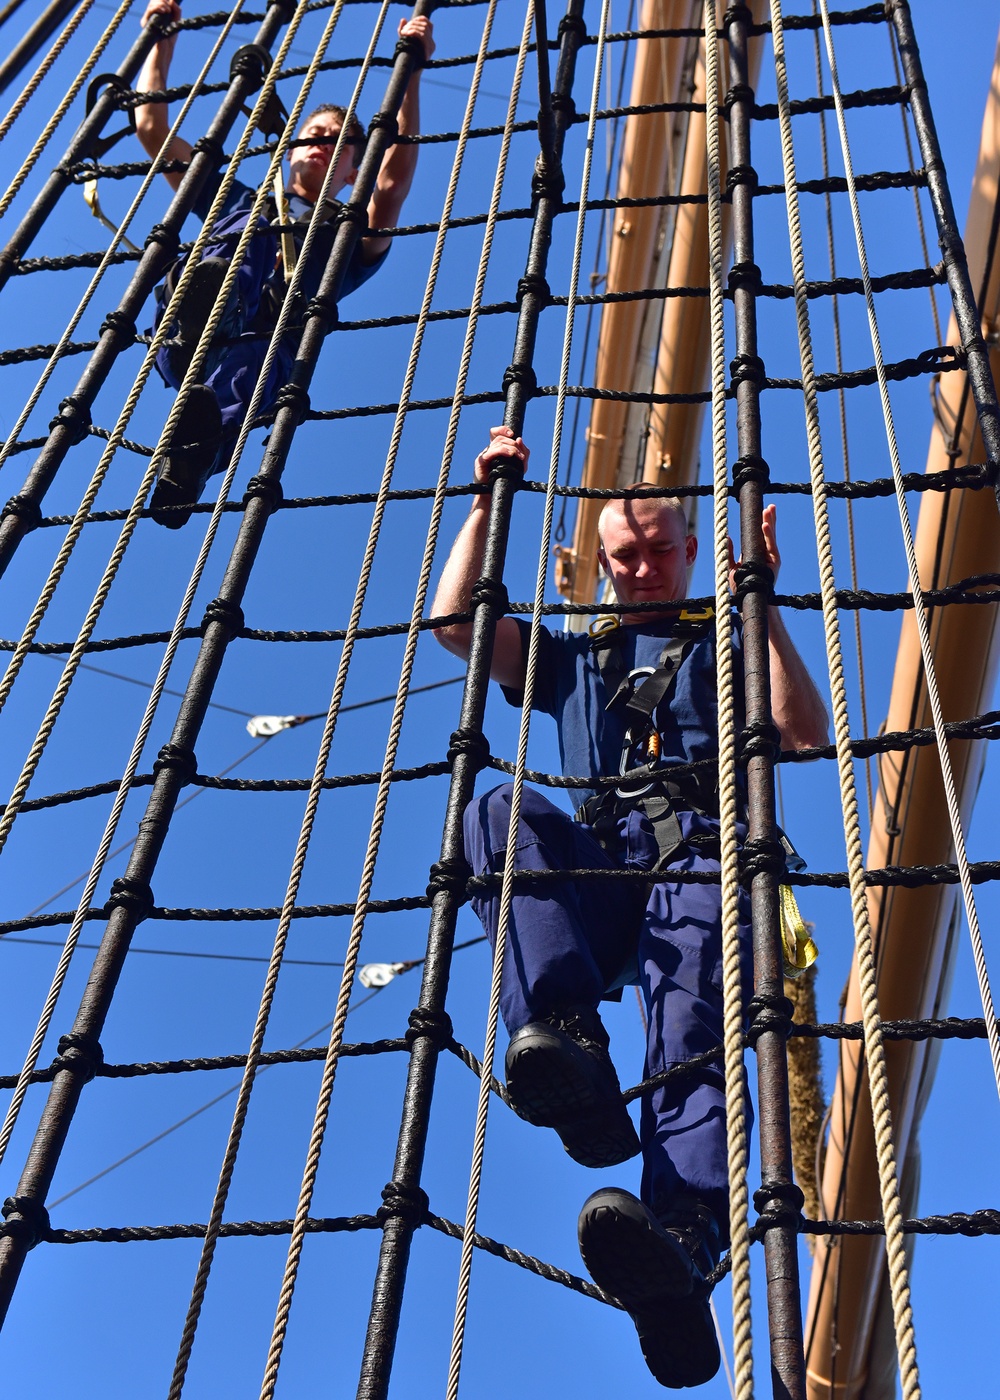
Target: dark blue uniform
x: 570, y: 943
x: 231, y: 371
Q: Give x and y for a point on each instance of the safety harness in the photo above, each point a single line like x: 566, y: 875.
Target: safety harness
x: 635, y: 696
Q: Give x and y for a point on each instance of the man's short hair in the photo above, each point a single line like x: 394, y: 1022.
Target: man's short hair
x: 355, y: 131
x: 637, y: 493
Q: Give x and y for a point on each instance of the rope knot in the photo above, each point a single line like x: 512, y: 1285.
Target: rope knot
x: 534, y: 284
x: 744, y: 274
x: 778, y: 1203
x: 25, y: 1219
x: 761, y: 856
x: 474, y: 744
x: 120, y: 325
x: 401, y: 1202
x: 354, y: 214
x: 741, y: 175
x: 294, y: 397
x: 411, y: 45
x: 571, y: 24
x: 768, y: 1013
x: 737, y: 14
x: 524, y: 376
x: 747, y: 367
x: 434, y: 1026
x: 226, y: 614
x: 79, y: 1054
x: 449, y: 877
x: 267, y: 488
x: 178, y: 758
x: 209, y: 146
x: 547, y: 181
x: 491, y: 593
x: 74, y: 415
x: 133, y: 895
x: 166, y: 236
x: 324, y: 307
x: 252, y: 62
x: 26, y: 510
x: 753, y: 576
x: 759, y: 740
x: 749, y: 468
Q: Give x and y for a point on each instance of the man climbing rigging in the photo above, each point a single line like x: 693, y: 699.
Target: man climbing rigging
x: 637, y: 694
x: 215, y: 410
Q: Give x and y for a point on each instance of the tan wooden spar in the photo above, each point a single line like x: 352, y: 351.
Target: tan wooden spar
x: 656, y: 345
x: 849, y: 1335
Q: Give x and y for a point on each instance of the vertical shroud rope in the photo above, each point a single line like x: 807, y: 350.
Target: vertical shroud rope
x: 895, y: 1240
x: 507, y: 888
x: 170, y: 651
x: 919, y: 608
x: 729, y: 876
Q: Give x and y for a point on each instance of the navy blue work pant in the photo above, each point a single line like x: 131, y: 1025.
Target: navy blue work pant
x: 232, y: 371
x: 569, y: 941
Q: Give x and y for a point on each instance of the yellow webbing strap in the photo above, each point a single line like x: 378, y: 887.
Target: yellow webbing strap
x: 797, y: 945
x: 94, y: 205
x: 287, y: 239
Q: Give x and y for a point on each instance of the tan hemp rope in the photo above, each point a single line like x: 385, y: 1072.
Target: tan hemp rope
x: 895, y: 1240
x: 351, y: 955
x: 31, y: 159
x: 43, y: 69
x: 736, y: 1084
x: 507, y: 889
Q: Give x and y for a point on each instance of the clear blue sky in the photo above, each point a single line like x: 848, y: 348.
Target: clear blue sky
x: 103, y: 1320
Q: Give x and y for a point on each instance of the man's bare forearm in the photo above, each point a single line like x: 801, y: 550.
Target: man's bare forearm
x: 463, y: 568
x: 796, y: 705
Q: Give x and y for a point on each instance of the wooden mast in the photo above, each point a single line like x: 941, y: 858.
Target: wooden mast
x: 849, y: 1336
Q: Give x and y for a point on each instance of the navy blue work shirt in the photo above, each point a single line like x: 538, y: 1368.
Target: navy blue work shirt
x: 240, y: 201
x: 569, y: 687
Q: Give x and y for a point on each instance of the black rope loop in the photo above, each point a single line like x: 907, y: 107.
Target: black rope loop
x: 266, y: 488
x: 474, y: 744
x: 749, y: 368
x: 168, y: 238
x: 744, y: 274
x: 571, y: 24
x: 26, y: 510
x: 753, y: 576
x: 353, y: 214
x: 381, y: 121
x: 522, y: 375
x: 737, y: 14
x: 251, y: 61
x: 73, y: 414
x: 778, y: 1203
x: 228, y: 615
x: 79, y: 1054
x: 547, y: 181
x: 180, y: 760
x: 534, y: 284
x: 410, y: 44
x: 741, y: 175
x: 25, y: 1219
x: 750, y: 468
x: 449, y: 876
x: 434, y: 1026
x: 326, y: 307
x: 761, y: 856
x: 562, y: 102
x: 400, y: 1202
x: 120, y: 325
x: 759, y: 740
x: 768, y: 1013
x: 293, y: 396
x: 209, y: 146
x: 134, y: 895
x: 492, y: 593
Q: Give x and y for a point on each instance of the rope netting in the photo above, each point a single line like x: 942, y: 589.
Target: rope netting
x: 296, y: 599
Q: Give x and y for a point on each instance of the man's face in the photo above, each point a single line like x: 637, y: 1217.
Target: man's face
x: 309, y: 162
x: 646, y: 552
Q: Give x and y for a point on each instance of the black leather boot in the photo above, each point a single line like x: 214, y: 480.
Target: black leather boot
x: 194, y: 446
x: 656, y: 1267
x: 560, y: 1075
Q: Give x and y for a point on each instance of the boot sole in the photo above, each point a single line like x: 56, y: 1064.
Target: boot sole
x: 549, y: 1089
x: 629, y: 1258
